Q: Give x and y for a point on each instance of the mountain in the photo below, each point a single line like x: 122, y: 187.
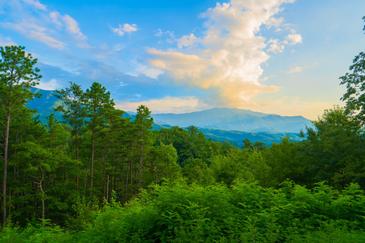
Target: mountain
x: 44, y: 104
x: 235, y: 120
x: 218, y: 124
x: 237, y: 137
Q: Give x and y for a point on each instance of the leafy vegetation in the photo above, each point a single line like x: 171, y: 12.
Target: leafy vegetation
x: 95, y: 176
x: 245, y: 212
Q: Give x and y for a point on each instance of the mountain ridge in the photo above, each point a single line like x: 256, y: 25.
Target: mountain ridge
x: 219, y: 124
x: 232, y: 119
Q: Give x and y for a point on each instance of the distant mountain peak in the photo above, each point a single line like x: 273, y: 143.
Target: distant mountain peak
x: 219, y: 118
x: 233, y: 119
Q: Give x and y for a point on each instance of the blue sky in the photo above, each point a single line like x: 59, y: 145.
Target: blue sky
x: 275, y: 56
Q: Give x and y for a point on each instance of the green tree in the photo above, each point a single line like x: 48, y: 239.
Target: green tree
x: 197, y: 171
x: 98, y: 103
x: 142, y: 139
x: 39, y: 162
x: 335, y: 149
x: 163, y: 164
x: 73, y: 112
x: 354, y: 81
x: 17, y: 75
x: 228, y: 169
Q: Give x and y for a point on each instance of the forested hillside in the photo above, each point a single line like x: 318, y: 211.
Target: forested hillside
x: 229, y: 119
x: 95, y: 176
x: 257, y: 127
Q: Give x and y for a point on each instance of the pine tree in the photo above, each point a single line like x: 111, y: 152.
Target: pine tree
x: 17, y: 75
x: 97, y: 104
x: 143, y: 139
x: 73, y: 112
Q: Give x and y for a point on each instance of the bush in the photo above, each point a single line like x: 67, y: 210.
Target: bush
x: 245, y: 212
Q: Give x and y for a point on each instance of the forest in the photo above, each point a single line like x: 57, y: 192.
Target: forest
x: 96, y: 175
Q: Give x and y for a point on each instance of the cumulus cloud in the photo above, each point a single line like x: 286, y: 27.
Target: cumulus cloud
x: 121, y: 30
x: 187, y: 40
x: 276, y: 46
x: 294, y: 38
x: 275, y: 22
x: 231, y: 52
x: 166, y: 105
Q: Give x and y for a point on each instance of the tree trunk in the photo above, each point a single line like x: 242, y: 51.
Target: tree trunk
x: 77, y: 158
x: 141, y: 161
x: 127, y: 178
x: 43, y: 195
x: 5, y: 172
x: 107, y: 188
x: 92, y: 165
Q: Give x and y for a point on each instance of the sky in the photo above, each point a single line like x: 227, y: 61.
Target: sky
x: 274, y: 56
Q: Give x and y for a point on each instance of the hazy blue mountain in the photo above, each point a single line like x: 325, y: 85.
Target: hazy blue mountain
x: 237, y: 137
x: 44, y: 104
x: 236, y: 120
x: 219, y: 124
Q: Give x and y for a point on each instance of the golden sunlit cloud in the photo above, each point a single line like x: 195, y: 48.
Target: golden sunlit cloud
x: 230, y: 55
x: 166, y: 105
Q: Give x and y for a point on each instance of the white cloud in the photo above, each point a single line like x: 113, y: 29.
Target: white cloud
x: 294, y: 38
x: 275, y: 22
x: 36, y: 4
x: 231, y: 52
x: 121, y: 30
x: 187, y: 40
x: 73, y: 27
x: 46, y: 26
x: 56, y: 18
x: 276, y: 46
x: 296, y: 69
x: 166, y: 105
x: 148, y: 71
x: 52, y: 84
x: 36, y: 32
x: 70, y: 25
x: 168, y: 35
x: 47, y: 39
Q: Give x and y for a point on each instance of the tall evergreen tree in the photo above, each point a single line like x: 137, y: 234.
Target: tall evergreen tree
x: 17, y: 75
x: 73, y: 112
x: 98, y: 104
x: 143, y: 138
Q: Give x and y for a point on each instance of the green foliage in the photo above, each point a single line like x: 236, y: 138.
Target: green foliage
x: 162, y: 165
x: 355, y: 90
x: 107, y: 178
x: 177, y: 212
x: 17, y: 75
x: 196, y: 171
x: 34, y: 234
